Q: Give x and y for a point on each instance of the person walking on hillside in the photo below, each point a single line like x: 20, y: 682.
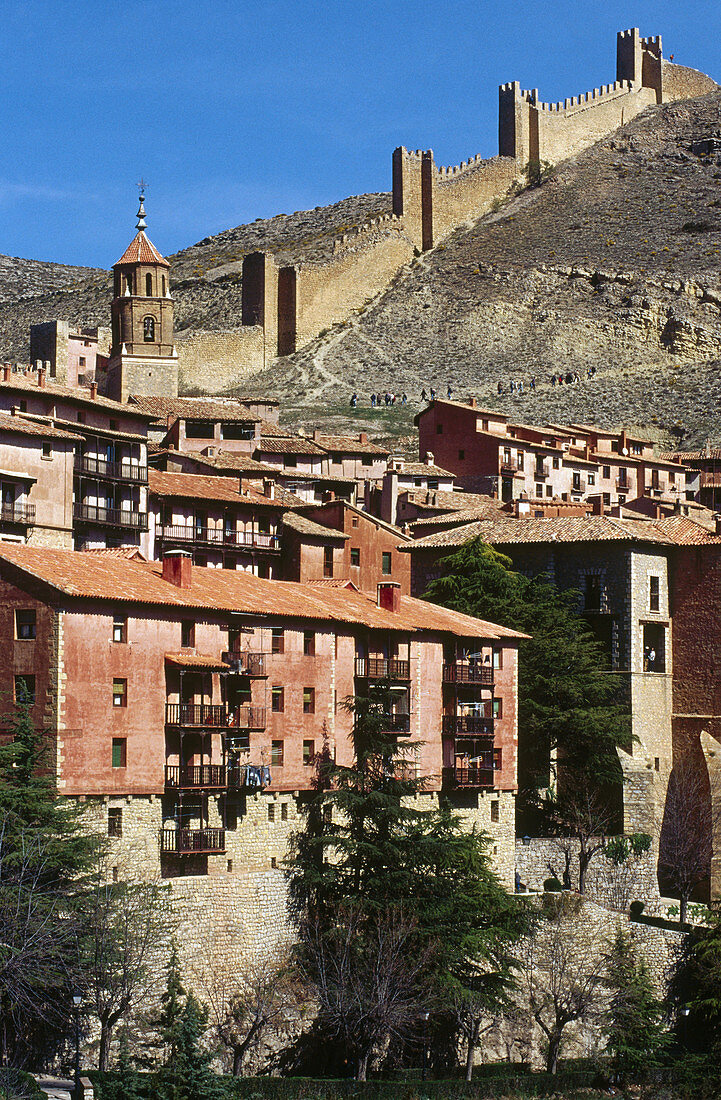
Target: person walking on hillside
x: 433, y: 394
x: 373, y: 400
x: 404, y: 399
x: 424, y: 395
x: 500, y: 387
x: 450, y: 391
x: 354, y: 400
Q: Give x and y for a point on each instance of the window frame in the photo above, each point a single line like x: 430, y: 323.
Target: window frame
x: 28, y: 696
x: 119, y: 752
x: 277, y: 754
x: 31, y: 624
x: 277, y: 640
x: 277, y: 699
x: 355, y: 559
x: 308, y: 752
x: 120, y: 626
x: 386, y: 563
x: 308, y: 700
x: 120, y: 692
x: 309, y: 643
x: 115, y: 821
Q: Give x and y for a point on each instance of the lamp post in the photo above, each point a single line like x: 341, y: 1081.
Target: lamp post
x: 685, y: 1013
x: 425, y: 1017
x: 77, y: 1001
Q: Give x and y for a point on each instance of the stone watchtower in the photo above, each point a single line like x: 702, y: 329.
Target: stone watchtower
x: 143, y: 358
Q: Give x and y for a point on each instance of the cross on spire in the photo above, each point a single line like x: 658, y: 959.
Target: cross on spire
x: 141, y: 224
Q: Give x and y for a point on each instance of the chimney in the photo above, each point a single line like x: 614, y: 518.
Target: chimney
x: 178, y: 568
x: 41, y: 379
x: 46, y: 366
x: 472, y: 402
x: 429, y: 458
x: 38, y: 365
x: 316, y: 434
x: 269, y: 488
x: 363, y: 438
x: 389, y: 596
x: 93, y: 390
x: 6, y: 373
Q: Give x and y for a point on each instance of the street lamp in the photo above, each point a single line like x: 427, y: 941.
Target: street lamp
x: 77, y: 1001
x: 425, y: 1017
x: 685, y: 1012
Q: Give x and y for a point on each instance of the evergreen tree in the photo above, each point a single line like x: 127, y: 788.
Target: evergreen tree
x: 566, y: 698
x: 636, y: 1037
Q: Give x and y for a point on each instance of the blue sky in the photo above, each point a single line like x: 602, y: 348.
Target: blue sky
x: 237, y: 110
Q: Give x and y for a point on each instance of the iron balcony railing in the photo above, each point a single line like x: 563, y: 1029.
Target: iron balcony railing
x: 112, y: 517
x: 17, y: 513
x: 248, y: 718
x: 217, y: 536
x: 113, y: 471
x: 382, y: 668
x: 397, y: 723
x: 197, y: 714
x: 245, y: 662
x: 474, y: 775
x: 458, y: 672
x: 194, y: 776
x: 454, y: 724
x: 192, y: 841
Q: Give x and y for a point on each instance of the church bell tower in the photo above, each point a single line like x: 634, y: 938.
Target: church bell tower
x: 143, y: 358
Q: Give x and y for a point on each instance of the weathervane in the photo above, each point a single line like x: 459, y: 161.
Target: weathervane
x: 141, y: 225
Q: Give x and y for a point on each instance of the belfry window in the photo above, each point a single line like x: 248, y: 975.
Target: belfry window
x: 129, y: 283
x: 149, y: 285
x: 149, y: 328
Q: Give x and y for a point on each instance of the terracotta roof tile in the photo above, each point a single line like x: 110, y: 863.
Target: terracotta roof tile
x: 77, y: 394
x: 305, y: 526
x: 510, y: 529
x: 423, y: 469
x: 194, y: 660
x: 349, y: 444
x: 288, y: 444
x: 191, y: 408
x: 92, y: 577
x: 18, y: 425
x: 141, y: 250
x: 203, y: 487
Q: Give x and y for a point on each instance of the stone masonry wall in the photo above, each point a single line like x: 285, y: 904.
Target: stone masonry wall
x: 215, y: 361
x: 606, y: 884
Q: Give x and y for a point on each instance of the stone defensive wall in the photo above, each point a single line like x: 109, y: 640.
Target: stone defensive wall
x: 294, y: 304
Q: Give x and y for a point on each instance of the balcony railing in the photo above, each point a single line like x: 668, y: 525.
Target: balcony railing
x: 111, y: 517
x: 578, y: 487
x: 17, y: 513
x: 194, y: 776
x: 197, y: 714
x: 246, y: 663
x: 541, y: 471
x: 382, y: 668
x: 217, y: 536
x: 113, y: 471
x: 623, y: 483
x: 456, y: 724
x: 475, y: 775
x: 458, y: 672
x: 397, y: 723
x: 249, y: 718
x: 182, y: 842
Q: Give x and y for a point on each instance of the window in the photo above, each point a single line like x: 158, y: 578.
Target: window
x: 198, y: 429
x: 606, y: 471
x: 284, y: 811
x: 308, y: 700
x: 163, y: 281
x: 115, y: 821
x: 187, y: 634
x: 354, y: 521
x: 82, y: 360
x: 309, y: 643
x: 25, y: 690
x: 653, y: 593
x: 276, y: 754
x: 549, y: 490
x: 308, y: 752
x: 120, y: 628
x: 576, y: 481
x: 277, y: 643
x: 148, y: 329
x: 497, y: 708
x: 592, y: 593
x: 81, y: 416
x: 484, y: 425
x: 327, y: 561
x: 433, y: 483
x: 654, y: 647
x: 461, y: 455
x: 148, y: 285
x: 277, y: 699
x: 291, y: 460
x: 497, y: 658
x: 539, y: 489
x: 120, y: 693
x: 271, y: 805
x: 113, y: 425
x: 556, y: 462
x: 607, y: 499
x: 120, y: 752
x: 439, y: 429
x: 25, y: 623
x: 386, y: 563
x: 237, y: 430
x: 591, y: 479
x: 497, y: 759
x: 354, y: 555
x: 47, y: 449
x: 23, y: 406
x: 657, y: 764
x: 495, y: 816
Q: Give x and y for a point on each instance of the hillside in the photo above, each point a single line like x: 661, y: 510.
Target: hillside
x: 613, y: 262
x: 205, y: 277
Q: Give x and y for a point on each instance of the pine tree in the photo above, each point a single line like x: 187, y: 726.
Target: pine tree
x: 636, y: 1036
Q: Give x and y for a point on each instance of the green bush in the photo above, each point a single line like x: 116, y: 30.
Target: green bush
x: 552, y: 886
x: 15, y: 1084
x: 636, y: 908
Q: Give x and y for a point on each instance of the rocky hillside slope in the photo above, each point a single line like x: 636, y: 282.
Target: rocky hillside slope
x: 613, y: 263
x: 205, y: 277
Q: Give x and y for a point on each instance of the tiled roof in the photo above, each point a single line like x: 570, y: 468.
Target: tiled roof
x: 288, y: 444
x: 94, y: 577
x: 692, y: 456
x: 132, y: 553
x: 476, y: 409
x: 421, y: 469
x: 449, y: 500
x: 349, y: 444
x: 289, y: 474
x: 234, y: 462
x: 194, y: 660
x: 510, y: 529
x: 191, y: 408
x: 305, y: 526
x: 18, y: 425
x: 685, y: 531
x: 141, y: 250
x: 333, y: 582
x: 361, y: 512
x: 77, y: 394
x: 203, y: 487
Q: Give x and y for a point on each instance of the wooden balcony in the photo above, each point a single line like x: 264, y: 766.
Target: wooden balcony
x: 540, y: 472
x: 17, y: 513
x: 220, y: 537
x: 247, y: 717
x: 460, y: 724
x: 246, y: 663
x: 110, y: 517
x: 396, y: 723
x: 458, y: 672
x: 195, y: 776
x: 197, y: 715
x: 382, y: 668
x: 111, y: 471
x: 189, y: 842
x: 475, y: 775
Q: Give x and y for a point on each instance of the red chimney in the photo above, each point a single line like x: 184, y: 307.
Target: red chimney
x: 6, y: 373
x: 41, y: 378
x: 93, y: 390
x: 178, y: 568
x: 363, y: 438
x: 389, y: 596
x: 472, y: 402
